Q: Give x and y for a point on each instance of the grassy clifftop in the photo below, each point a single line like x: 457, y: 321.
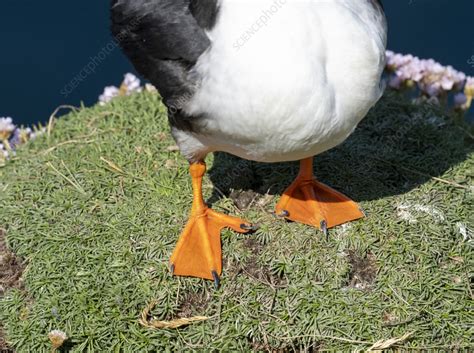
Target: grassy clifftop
x: 96, y: 207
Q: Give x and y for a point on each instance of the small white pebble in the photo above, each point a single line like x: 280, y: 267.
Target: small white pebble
x: 464, y: 231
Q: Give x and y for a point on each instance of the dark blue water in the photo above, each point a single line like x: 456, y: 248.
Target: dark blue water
x: 46, y: 44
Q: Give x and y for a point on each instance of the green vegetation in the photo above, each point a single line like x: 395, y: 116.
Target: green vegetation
x: 96, y: 208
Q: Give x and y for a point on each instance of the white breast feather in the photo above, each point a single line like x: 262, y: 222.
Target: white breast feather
x: 291, y: 88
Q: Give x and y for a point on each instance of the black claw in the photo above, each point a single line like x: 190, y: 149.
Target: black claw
x: 172, y: 269
x: 217, y: 280
x: 283, y: 214
x: 249, y: 227
x: 324, y: 228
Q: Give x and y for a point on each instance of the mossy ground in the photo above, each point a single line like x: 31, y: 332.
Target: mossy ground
x: 96, y: 207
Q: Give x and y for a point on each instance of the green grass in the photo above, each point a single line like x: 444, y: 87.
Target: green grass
x: 97, y: 237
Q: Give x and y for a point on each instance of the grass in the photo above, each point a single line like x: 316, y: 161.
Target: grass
x: 96, y: 207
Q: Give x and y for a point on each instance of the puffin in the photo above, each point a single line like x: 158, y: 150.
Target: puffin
x: 265, y: 80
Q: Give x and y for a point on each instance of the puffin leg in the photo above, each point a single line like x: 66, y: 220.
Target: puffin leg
x: 311, y: 202
x: 198, y: 251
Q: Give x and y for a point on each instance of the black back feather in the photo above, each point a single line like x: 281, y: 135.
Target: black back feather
x: 164, y: 39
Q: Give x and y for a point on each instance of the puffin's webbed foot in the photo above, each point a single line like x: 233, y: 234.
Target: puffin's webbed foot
x: 311, y: 202
x: 198, y: 252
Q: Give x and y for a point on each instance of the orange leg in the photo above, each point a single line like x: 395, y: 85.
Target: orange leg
x: 311, y: 202
x: 198, y: 251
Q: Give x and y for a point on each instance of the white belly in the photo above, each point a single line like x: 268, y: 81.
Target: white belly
x: 292, y: 87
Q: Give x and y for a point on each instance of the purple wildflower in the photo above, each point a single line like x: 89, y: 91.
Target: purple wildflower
x: 460, y: 100
x: 6, y: 128
x: 131, y: 84
x: 110, y: 92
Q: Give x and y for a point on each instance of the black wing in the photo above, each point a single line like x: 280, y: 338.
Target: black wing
x: 164, y: 39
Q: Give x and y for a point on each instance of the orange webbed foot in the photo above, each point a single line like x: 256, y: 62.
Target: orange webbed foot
x: 198, y: 252
x: 311, y: 202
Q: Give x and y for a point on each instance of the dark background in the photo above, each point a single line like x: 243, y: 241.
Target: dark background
x: 45, y: 44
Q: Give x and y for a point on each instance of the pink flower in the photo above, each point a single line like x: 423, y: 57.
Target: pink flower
x: 395, y: 82
x: 459, y: 100
x: 413, y: 71
x: 110, y: 92
x: 433, y: 79
x: 447, y: 83
x: 131, y: 84
x: 6, y: 128
x: 395, y: 61
x: 431, y: 89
